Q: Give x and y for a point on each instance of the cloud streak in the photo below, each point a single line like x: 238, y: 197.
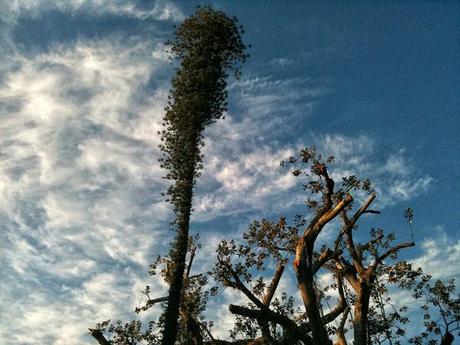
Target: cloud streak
x: 81, y: 189
x: 159, y: 10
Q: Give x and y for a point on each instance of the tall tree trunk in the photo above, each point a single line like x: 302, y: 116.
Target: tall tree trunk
x: 179, y: 257
x: 360, y: 321
x: 310, y: 300
x: 209, y: 45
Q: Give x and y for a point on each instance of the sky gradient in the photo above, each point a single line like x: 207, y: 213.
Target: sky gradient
x: 84, y: 84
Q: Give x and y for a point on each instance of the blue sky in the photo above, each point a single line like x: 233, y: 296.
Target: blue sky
x: 84, y: 84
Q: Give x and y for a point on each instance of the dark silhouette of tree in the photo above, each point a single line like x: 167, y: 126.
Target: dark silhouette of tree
x: 208, y: 45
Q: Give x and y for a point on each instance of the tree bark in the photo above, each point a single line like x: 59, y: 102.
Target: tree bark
x: 360, y: 321
x: 310, y: 301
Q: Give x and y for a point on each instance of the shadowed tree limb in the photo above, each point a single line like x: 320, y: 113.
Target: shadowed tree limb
x: 151, y: 302
x: 238, y: 284
x: 338, y: 309
x: 99, y: 336
x: 391, y: 251
x: 267, y: 315
x: 268, y: 296
x: 341, y: 340
x: 324, y: 257
x: 348, y: 230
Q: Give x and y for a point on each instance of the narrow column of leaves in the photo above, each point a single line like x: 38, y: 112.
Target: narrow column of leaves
x: 208, y: 44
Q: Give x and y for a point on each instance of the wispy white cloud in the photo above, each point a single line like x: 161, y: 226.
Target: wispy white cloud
x: 394, y: 177
x: 243, y: 152
x: 237, y: 180
x: 242, y: 182
x: 441, y: 255
x: 80, y: 186
x: 158, y: 10
x: 260, y: 96
x: 282, y: 62
x: 62, y: 314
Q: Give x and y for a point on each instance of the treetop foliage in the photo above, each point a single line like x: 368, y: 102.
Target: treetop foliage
x: 208, y: 45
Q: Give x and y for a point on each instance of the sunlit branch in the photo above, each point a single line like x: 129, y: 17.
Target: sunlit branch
x: 273, y: 285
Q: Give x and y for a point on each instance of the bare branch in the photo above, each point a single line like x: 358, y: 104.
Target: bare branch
x: 271, y: 316
x: 151, y: 302
x: 348, y: 230
x: 273, y: 285
x: 372, y: 211
x: 369, y: 244
x: 341, y: 304
x: 238, y: 284
x: 190, y: 263
x: 329, y: 188
x: 391, y: 251
x: 304, y: 247
x: 364, y: 208
x: 99, y: 336
x: 334, y: 313
x: 264, y: 315
x: 341, y: 340
x: 329, y: 215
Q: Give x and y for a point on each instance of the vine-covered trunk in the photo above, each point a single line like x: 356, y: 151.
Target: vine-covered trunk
x: 179, y: 257
x: 208, y: 45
